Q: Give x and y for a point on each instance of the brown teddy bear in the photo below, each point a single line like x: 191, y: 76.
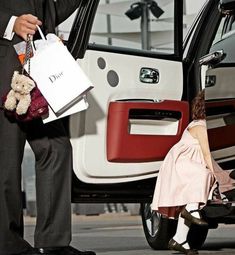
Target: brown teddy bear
x: 19, y: 96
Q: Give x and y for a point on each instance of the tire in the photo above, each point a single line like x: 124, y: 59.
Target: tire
x: 197, y: 236
x: 158, y: 230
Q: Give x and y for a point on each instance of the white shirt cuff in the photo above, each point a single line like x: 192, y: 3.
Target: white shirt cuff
x: 9, y: 30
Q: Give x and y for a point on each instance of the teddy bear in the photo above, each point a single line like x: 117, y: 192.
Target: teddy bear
x: 19, y: 97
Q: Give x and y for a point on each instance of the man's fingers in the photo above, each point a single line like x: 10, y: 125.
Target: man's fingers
x: 26, y: 27
x: 32, y: 19
x: 30, y: 26
x: 26, y: 24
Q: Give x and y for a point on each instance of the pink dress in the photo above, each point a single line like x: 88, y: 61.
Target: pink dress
x: 183, y: 177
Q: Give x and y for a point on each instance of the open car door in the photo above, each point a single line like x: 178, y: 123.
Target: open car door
x: 220, y: 94
x: 136, y: 112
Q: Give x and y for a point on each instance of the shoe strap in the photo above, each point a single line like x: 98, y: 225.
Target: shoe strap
x: 197, y: 210
x: 184, y: 242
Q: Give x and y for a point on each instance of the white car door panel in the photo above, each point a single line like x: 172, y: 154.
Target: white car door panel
x: 157, y: 119
x: 136, y: 112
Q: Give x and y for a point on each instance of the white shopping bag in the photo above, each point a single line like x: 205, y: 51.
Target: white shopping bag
x: 78, y: 107
x: 58, y: 76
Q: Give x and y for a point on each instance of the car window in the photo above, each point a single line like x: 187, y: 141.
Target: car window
x: 121, y: 24
x: 220, y: 77
x: 225, y: 39
x: 219, y: 33
x: 118, y: 23
x: 229, y: 25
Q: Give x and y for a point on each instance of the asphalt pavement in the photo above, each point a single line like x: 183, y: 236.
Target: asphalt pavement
x: 122, y: 234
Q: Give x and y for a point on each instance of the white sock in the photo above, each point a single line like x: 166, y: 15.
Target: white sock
x: 181, y: 233
x: 193, y: 206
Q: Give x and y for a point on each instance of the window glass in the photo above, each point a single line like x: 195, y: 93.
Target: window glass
x: 122, y: 23
x: 191, y: 9
x: 225, y: 39
x: 220, y: 77
x: 219, y: 33
x: 113, y: 26
x: 142, y: 24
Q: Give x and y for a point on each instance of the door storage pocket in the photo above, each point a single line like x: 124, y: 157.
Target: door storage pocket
x: 143, y: 131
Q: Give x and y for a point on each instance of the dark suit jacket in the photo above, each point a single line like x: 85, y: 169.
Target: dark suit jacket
x: 50, y: 12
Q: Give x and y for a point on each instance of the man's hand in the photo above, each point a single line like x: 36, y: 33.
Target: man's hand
x: 26, y: 24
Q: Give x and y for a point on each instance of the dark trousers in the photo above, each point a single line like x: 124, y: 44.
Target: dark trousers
x: 53, y: 157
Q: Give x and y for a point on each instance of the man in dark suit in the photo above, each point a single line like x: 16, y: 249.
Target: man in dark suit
x: 49, y: 143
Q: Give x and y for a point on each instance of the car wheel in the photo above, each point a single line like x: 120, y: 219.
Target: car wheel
x: 197, y: 236
x: 158, y: 230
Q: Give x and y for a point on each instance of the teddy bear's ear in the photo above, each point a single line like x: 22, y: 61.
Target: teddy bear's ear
x: 15, y: 79
x: 15, y: 75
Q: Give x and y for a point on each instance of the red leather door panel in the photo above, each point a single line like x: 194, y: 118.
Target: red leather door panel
x: 122, y: 146
x: 223, y: 136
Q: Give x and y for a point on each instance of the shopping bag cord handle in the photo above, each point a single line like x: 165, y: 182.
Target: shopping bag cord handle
x: 30, y: 48
x: 41, y: 33
x: 28, y: 51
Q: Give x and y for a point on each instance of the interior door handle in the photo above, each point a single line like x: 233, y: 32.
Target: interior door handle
x: 149, y: 75
x: 213, y: 58
x: 210, y: 81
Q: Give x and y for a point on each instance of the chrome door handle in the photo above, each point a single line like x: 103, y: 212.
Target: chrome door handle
x: 149, y: 75
x: 210, y: 81
x: 212, y: 58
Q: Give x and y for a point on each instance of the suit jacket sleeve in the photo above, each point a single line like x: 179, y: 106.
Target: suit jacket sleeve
x: 4, y: 19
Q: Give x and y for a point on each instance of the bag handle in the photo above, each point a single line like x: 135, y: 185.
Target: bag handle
x: 41, y: 33
x: 28, y: 51
x: 42, y: 37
